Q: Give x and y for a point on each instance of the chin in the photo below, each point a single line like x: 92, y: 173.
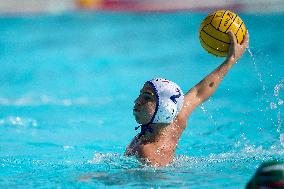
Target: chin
x: 136, y: 119
x: 139, y: 121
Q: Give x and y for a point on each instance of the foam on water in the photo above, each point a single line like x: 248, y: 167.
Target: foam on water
x: 115, y: 168
x: 248, y: 153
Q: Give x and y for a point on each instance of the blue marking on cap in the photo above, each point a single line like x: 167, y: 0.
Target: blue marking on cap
x: 173, y: 98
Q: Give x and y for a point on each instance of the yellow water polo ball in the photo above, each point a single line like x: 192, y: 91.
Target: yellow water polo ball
x: 213, y: 32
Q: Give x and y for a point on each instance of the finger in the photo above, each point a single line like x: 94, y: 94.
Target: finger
x: 232, y: 37
x: 245, y: 41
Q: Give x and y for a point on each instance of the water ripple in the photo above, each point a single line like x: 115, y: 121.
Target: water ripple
x: 18, y: 121
x: 30, y: 100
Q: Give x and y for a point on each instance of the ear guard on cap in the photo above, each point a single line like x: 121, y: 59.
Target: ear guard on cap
x: 169, y: 100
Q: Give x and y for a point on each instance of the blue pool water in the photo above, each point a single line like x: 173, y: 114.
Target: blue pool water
x: 68, y: 83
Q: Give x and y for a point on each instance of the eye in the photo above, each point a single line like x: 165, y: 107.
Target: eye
x: 146, y: 97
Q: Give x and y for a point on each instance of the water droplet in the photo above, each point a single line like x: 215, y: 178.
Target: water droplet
x: 67, y: 147
x: 282, y: 139
x: 273, y: 105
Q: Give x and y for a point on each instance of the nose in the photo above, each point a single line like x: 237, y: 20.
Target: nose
x: 137, y: 101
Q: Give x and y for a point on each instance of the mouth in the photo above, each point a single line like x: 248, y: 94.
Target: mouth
x: 136, y: 110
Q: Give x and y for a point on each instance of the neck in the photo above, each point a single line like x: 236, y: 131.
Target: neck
x: 154, y: 131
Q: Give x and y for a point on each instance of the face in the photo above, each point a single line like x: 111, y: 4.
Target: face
x: 145, y: 105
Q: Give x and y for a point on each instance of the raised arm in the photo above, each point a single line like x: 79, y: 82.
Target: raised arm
x: 206, y: 87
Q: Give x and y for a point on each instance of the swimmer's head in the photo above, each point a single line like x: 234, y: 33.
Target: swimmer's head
x: 145, y: 105
x: 165, y: 100
x: 268, y: 175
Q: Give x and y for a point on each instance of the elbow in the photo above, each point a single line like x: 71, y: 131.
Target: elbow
x: 201, y: 97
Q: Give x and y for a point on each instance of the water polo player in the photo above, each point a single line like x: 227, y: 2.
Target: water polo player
x: 270, y: 175
x: 162, y: 110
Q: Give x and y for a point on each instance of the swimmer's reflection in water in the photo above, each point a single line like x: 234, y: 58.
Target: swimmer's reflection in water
x: 125, y: 177
x: 162, y: 110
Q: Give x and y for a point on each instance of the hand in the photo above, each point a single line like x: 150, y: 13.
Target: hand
x: 237, y: 50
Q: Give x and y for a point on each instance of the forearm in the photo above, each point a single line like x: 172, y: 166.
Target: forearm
x: 206, y: 87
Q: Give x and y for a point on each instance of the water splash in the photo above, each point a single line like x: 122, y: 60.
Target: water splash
x: 260, y: 78
x: 114, y: 161
x: 205, y: 111
x: 282, y: 139
x: 278, y: 121
x: 273, y: 105
x: 276, y: 106
x: 248, y: 153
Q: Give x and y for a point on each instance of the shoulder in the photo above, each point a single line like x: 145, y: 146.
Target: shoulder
x: 132, y: 147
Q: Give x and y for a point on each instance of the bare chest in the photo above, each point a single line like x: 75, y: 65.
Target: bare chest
x: 156, y: 153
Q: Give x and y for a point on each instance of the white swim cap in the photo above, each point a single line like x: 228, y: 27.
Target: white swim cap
x: 169, y: 100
